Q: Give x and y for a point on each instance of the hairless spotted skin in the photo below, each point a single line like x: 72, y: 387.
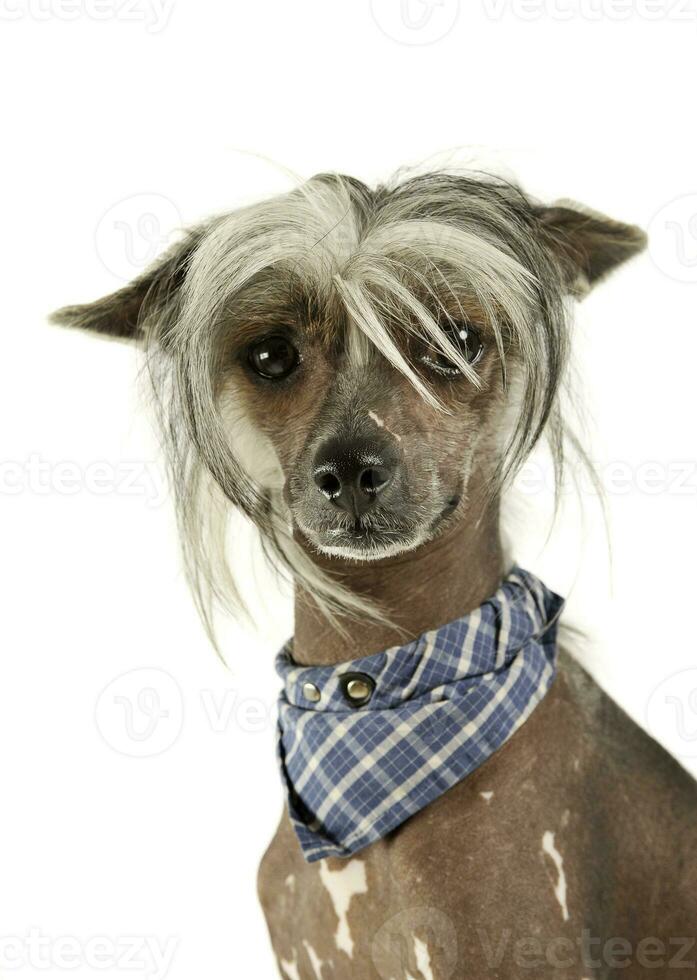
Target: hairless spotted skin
x: 361, y: 372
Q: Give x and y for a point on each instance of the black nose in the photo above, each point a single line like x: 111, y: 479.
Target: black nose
x: 353, y: 473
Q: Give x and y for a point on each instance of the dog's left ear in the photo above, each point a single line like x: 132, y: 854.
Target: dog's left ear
x: 154, y: 294
x: 588, y: 245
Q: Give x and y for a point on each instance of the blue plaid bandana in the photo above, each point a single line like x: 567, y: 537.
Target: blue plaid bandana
x: 365, y: 745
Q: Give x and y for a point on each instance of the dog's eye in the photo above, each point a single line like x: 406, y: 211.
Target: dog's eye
x: 463, y: 336
x: 273, y: 357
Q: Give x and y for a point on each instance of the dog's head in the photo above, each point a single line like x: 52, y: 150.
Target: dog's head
x: 342, y: 359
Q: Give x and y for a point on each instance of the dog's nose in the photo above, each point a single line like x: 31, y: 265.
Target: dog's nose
x: 352, y: 474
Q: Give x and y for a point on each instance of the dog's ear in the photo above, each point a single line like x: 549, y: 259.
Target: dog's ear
x: 588, y: 245
x: 154, y: 294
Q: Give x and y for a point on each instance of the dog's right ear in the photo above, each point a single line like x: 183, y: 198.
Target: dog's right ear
x: 589, y: 245
x: 153, y: 295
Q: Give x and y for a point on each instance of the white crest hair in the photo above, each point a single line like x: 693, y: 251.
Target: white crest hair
x: 397, y: 258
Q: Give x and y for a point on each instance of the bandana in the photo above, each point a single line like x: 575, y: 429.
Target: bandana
x: 365, y: 745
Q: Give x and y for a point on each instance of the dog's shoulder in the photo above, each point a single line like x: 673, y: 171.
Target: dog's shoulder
x: 613, y: 735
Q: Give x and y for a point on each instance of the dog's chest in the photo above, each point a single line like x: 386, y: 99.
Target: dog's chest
x: 411, y: 905
x: 373, y: 915
x: 504, y: 874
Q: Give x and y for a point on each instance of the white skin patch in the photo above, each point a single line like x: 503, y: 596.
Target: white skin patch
x: 423, y: 958
x: 560, y: 887
x: 487, y: 796
x: 381, y: 425
x: 290, y: 967
x: 290, y: 882
x: 315, y: 961
x: 342, y: 885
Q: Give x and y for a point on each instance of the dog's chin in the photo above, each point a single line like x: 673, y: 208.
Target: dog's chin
x: 366, y: 546
x: 368, y: 542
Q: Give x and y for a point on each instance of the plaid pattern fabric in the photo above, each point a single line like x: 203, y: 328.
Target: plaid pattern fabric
x: 441, y: 705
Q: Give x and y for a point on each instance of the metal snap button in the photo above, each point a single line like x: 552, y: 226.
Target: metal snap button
x: 311, y: 691
x: 357, y: 688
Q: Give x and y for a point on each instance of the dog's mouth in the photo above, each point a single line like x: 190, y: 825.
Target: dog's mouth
x: 375, y: 535
x: 363, y: 537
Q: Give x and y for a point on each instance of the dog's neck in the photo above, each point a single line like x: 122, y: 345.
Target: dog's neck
x: 420, y: 590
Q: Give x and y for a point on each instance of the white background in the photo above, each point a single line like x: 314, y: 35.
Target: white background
x: 121, y: 122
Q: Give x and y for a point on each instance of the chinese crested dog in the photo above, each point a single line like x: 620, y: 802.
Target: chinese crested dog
x: 361, y: 372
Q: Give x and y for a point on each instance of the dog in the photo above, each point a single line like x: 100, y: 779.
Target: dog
x: 361, y: 372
